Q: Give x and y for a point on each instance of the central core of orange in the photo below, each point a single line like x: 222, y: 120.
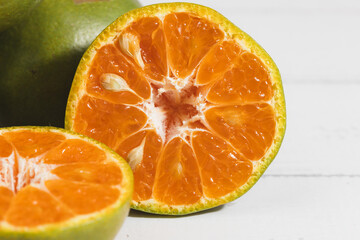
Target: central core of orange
x: 28, y: 171
x: 178, y: 108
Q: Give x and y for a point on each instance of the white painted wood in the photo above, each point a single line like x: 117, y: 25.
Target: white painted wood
x: 277, y: 208
x: 323, y: 130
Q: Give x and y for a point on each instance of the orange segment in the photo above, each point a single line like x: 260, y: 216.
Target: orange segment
x: 83, y: 198
x: 6, y: 196
x: 217, y: 61
x: 177, y: 180
x: 188, y: 38
x: 5, y: 147
x: 144, y: 42
x: 107, y: 122
x: 222, y: 168
x: 249, y: 128
x: 247, y: 81
x: 142, y: 151
x: 72, y: 151
x: 130, y: 143
x: 38, y: 206
x: 98, y: 173
x: 114, y: 79
x: 32, y: 144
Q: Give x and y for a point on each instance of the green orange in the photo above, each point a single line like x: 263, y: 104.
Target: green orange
x: 38, y: 56
x: 14, y: 11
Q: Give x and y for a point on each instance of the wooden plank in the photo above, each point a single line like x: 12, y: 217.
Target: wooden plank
x: 323, y: 131
x: 277, y: 208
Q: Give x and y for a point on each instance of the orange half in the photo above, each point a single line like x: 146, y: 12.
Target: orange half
x: 55, y: 184
x: 193, y: 103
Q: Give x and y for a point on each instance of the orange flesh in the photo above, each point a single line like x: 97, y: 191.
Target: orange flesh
x: 32, y: 207
x: 144, y: 173
x: 178, y: 164
x: 49, y: 178
x: 194, y: 116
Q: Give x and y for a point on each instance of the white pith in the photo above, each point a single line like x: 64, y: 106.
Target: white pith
x: 156, y: 116
x: 7, y: 172
x: 30, y: 171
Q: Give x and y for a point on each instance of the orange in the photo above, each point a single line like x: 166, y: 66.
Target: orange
x: 193, y: 103
x: 55, y: 184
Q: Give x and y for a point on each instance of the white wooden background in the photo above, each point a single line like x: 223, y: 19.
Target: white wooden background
x: 312, y: 189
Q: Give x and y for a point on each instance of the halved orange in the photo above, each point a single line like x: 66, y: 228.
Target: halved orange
x: 193, y: 103
x: 55, y: 184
